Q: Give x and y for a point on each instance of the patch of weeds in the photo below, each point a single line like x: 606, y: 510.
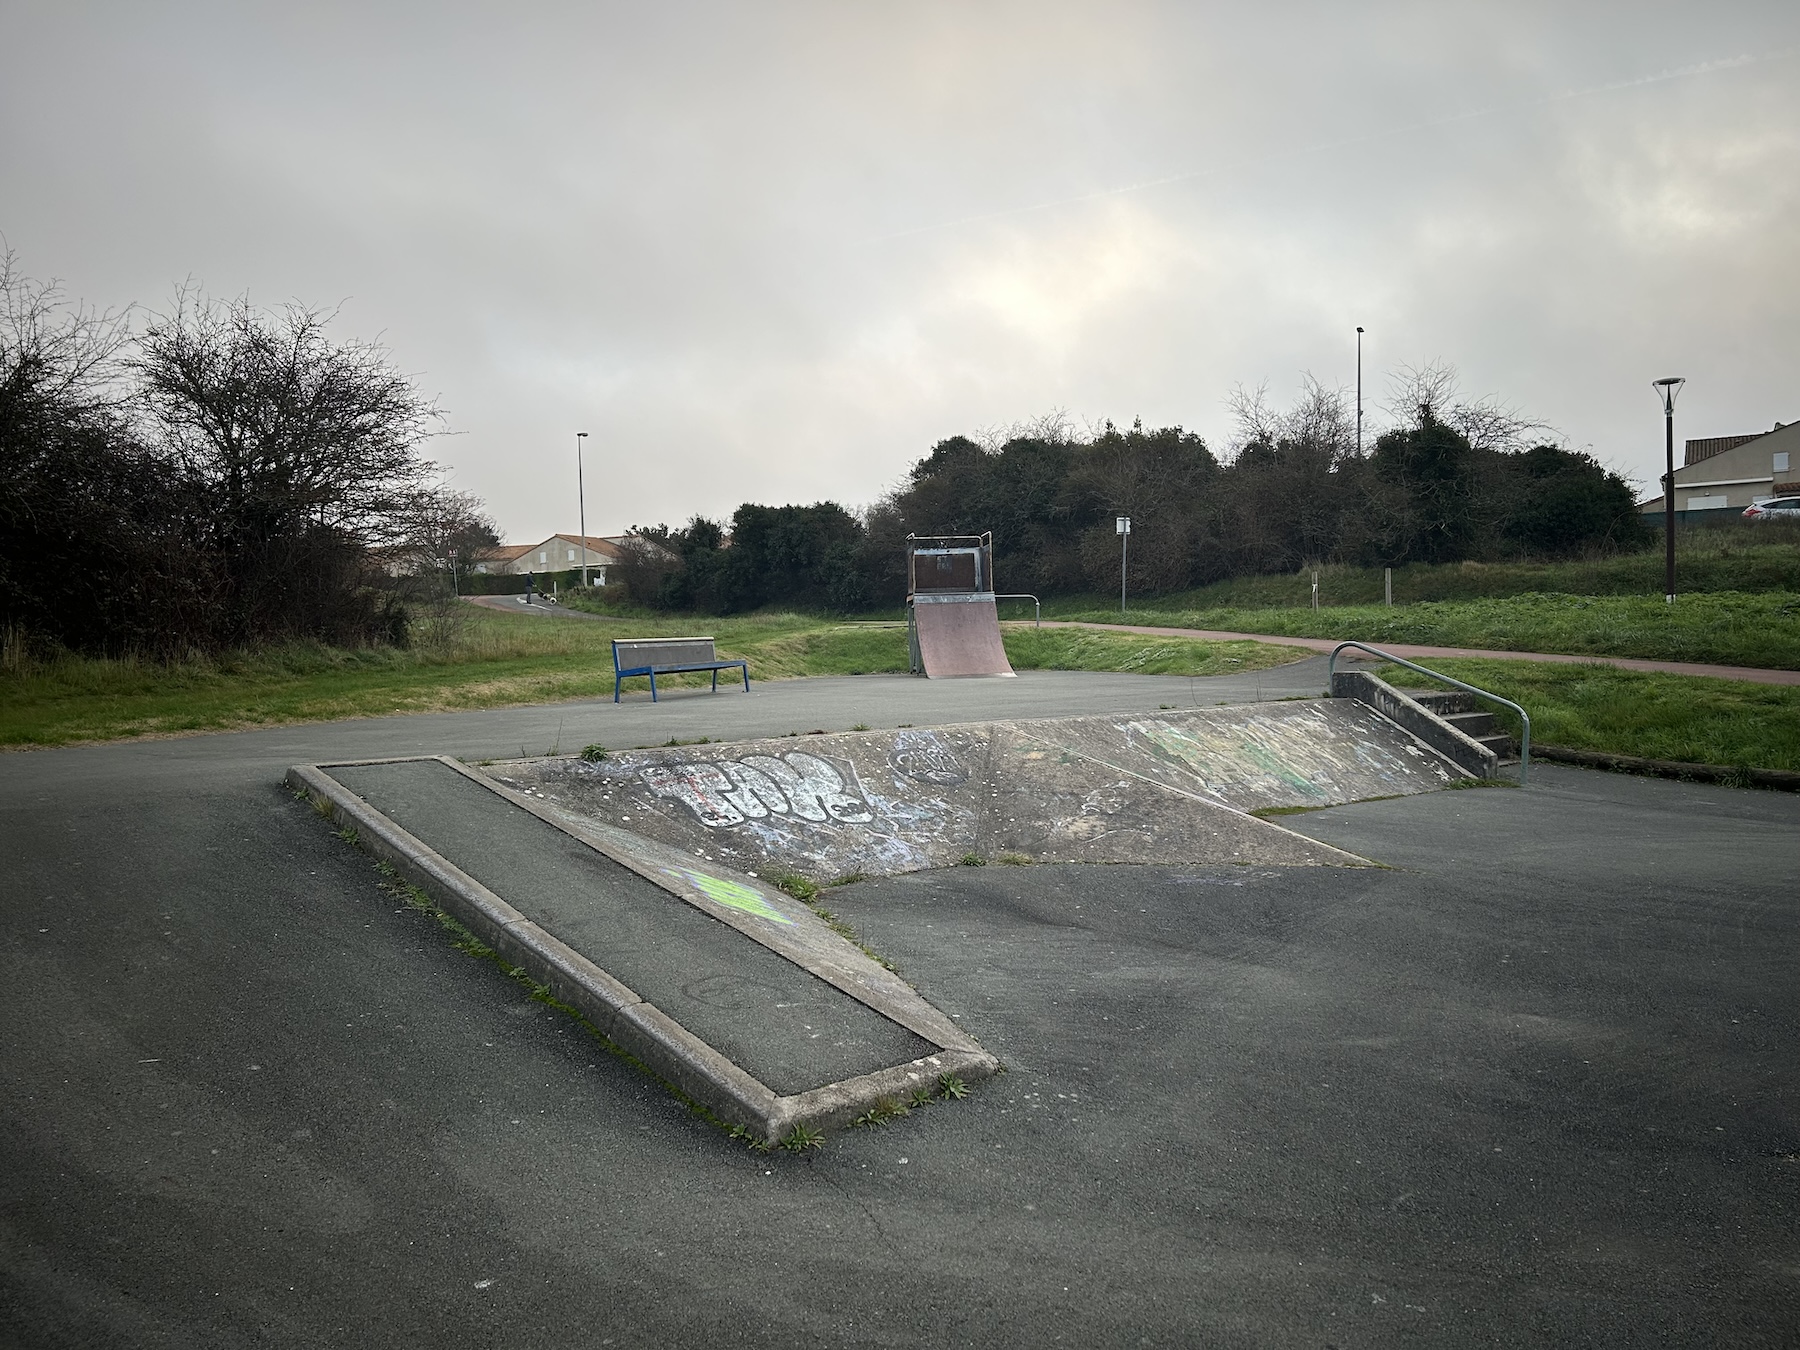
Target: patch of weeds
x: 594, y: 753
x: 848, y: 879
x: 483, y: 763
x: 321, y: 805
x: 860, y: 726
x: 906, y: 726
x: 816, y: 731
x: 798, y: 886
x: 850, y: 935
x: 921, y: 1097
x: 801, y: 1138
x: 1015, y: 860
x: 1270, y: 812
x: 749, y: 1136
x: 971, y: 860
x: 349, y: 835
x: 1456, y: 784
x: 884, y: 1110
x: 949, y: 1085
x: 1165, y: 707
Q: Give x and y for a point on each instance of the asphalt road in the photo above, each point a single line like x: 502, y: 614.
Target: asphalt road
x: 1534, y: 1084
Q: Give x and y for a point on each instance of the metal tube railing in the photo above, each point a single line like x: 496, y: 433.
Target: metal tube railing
x: 1034, y: 600
x: 1524, y: 717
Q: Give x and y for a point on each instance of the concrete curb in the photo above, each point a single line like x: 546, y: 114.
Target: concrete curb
x: 668, y: 1049
x: 1779, y: 780
x: 1407, y: 713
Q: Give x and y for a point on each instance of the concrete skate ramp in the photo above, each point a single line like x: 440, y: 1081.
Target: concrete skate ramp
x: 1173, y: 788
x: 959, y: 635
x: 731, y: 990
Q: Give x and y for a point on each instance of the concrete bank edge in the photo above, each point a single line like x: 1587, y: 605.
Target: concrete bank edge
x: 1413, y: 717
x: 668, y: 1049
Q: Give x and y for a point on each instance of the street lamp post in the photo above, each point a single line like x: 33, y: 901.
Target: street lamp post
x: 1359, y: 333
x: 1123, y: 525
x: 1669, y: 388
x: 581, y: 500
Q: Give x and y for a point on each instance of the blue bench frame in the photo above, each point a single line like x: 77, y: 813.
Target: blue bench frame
x: 621, y: 675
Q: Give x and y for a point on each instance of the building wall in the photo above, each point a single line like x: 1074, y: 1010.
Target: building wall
x: 1733, y: 479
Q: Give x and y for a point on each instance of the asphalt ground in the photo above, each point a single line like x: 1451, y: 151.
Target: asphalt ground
x: 782, y: 1024
x: 1535, y: 1083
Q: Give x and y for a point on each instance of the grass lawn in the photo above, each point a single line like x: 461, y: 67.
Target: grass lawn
x: 1724, y: 628
x: 1689, y: 718
x: 1708, y: 558
x: 497, y: 660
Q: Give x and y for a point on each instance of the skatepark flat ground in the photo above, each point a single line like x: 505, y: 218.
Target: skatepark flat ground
x: 1533, y: 1084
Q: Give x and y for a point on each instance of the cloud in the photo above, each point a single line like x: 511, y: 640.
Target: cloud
x: 775, y: 252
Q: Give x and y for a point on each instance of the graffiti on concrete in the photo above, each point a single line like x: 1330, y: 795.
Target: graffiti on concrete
x: 732, y: 893
x: 923, y: 757
x: 723, y: 793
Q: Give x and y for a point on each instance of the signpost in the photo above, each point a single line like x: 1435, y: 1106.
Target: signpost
x: 1123, y: 526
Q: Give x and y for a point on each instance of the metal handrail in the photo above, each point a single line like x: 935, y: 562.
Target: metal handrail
x: 1024, y: 595
x: 1524, y: 717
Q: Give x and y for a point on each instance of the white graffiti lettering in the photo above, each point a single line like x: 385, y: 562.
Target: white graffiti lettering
x: 725, y: 794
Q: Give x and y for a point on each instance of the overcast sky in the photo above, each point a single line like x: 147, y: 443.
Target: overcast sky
x: 774, y: 252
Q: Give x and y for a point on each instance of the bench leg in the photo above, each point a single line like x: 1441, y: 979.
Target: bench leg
x: 616, y: 681
x: 715, y: 687
x: 653, y: 686
x: 746, y: 678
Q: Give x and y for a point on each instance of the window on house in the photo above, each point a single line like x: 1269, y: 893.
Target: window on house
x: 1781, y: 461
x: 571, y: 557
x: 543, y: 555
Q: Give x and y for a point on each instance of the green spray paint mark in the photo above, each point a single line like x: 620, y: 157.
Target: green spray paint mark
x: 732, y: 893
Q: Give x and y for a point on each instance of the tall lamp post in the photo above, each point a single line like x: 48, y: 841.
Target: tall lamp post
x: 1123, y: 525
x: 1669, y: 388
x: 1359, y: 332
x: 581, y: 499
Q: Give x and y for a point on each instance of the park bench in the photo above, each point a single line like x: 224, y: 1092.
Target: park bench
x: 668, y: 656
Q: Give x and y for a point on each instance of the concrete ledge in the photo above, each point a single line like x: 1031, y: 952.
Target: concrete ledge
x: 1464, y: 751
x: 1780, y: 780
x: 663, y: 1045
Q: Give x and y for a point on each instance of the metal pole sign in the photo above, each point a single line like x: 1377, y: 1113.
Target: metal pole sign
x: 1122, y: 525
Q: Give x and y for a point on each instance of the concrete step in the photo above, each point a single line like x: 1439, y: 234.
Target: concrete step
x: 1476, y: 724
x: 1443, y: 702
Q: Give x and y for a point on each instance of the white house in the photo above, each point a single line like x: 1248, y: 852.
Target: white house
x: 1720, y: 476
x: 558, y: 553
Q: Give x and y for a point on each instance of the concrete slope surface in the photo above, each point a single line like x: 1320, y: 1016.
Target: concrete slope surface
x: 727, y: 988
x: 1174, y: 787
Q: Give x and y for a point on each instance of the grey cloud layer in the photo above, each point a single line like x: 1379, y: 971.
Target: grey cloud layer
x: 773, y: 253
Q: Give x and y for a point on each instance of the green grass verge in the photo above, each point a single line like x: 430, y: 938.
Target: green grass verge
x: 1725, y: 628
x: 1753, y: 558
x: 1689, y: 718
x: 498, y: 660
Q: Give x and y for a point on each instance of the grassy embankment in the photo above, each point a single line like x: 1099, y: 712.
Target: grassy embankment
x: 1721, y: 628
x: 1691, y: 719
x: 1737, y: 605
x: 497, y: 660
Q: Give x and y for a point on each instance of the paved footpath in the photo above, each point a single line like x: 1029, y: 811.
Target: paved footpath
x: 1413, y: 652
x: 1532, y: 1084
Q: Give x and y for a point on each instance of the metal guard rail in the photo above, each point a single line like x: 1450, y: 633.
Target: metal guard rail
x: 1034, y: 600
x: 1524, y: 717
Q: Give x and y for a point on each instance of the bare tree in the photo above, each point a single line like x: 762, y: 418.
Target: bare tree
x: 1417, y: 394
x: 306, y: 451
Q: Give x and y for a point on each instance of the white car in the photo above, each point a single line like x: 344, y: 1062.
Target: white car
x: 1776, y: 508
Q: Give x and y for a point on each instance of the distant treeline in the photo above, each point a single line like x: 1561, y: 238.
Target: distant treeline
x: 223, y: 477
x: 1452, y: 481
